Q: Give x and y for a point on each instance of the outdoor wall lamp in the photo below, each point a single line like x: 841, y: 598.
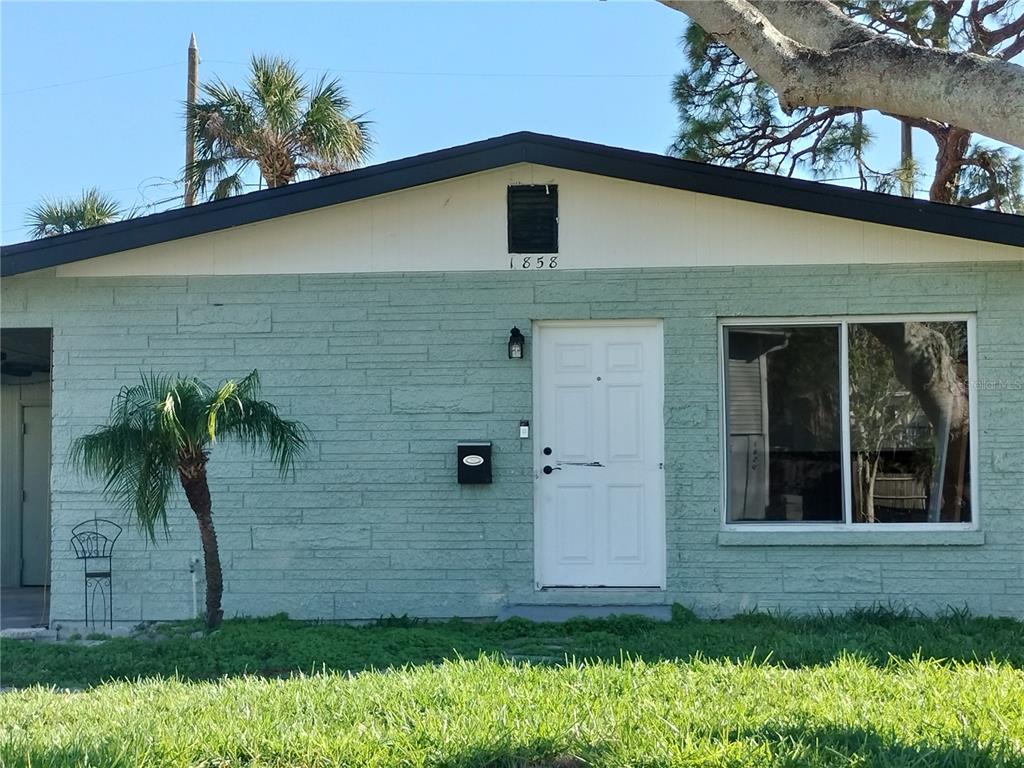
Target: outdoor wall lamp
x: 516, y: 344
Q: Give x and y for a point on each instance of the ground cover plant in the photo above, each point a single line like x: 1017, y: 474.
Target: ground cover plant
x: 865, y: 689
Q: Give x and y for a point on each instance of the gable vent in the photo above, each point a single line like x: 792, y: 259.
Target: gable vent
x: 533, y: 218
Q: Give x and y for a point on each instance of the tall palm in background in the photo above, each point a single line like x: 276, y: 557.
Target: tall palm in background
x: 163, y: 429
x: 281, y: 125
x: 60, y: 215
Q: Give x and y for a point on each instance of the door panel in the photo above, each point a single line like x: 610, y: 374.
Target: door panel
x: 625, y: 423
x: 574, y: 539
x: 35, y: 507
x: 625, y: 357
x: 626, y: 535
x: 573, y: 409
x: 599, y: 409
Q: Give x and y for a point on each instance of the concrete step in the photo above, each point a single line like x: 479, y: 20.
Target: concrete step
x: 559, y: 613
x: 29, y: 633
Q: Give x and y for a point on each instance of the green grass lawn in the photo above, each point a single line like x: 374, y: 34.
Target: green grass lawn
x: 868, y: 689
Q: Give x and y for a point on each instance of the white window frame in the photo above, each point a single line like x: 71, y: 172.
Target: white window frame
x: 842, y: 322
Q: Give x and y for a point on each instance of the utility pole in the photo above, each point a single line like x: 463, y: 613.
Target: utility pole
x: 906, y: 159
x: 190, y: 101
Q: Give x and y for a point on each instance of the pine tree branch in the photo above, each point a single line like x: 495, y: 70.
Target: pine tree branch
x: 980, y: 12
x: 970, y: 202
x: 798, y: 130
x: 932, y: 127
x: 1008, y: 53
x: 812, y: 150
x: 993, y: 37
x: 895, y: 25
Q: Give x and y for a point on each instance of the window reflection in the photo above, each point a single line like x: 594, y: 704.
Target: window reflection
x: 783, y: 416
x: 909, y: 422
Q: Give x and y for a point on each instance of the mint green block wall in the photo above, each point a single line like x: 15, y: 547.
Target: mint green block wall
x: 390, y: 371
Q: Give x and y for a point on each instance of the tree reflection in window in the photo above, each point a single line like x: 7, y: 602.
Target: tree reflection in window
x: 909, y: 422
x: 785, y: 436
x: 907, y: 415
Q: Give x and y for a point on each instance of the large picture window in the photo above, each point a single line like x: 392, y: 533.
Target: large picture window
x: 853, y: 422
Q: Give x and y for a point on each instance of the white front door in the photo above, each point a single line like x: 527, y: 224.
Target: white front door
x: 599, y: 452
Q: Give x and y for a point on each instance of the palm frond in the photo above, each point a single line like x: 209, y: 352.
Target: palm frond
x: 224, y: 174
x: 230, y: 392
x: 326, y: 100
x: 99, y: 207
x: 237, y: 413
x: 189, y: 399
x: 135, y: 457
x: 335, y: 144
x: 48, y: 218
x: 165, y: 423
x: 221, y: 127
x: 332, y: 140
x: 277, y: 122
x: 226, y: 116
x: 228, y: 186
x: 58, y: 216
x: 277, y: 87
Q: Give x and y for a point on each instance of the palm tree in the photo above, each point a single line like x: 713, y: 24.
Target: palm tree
x: 282, y: 125
x: 165, y: 427
x: 58, y: 216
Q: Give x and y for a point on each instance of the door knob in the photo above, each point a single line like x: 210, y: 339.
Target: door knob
x: 548, y: 469
x: 547, y: 450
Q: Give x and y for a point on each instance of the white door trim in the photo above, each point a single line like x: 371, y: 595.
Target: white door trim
x: 537, y: 333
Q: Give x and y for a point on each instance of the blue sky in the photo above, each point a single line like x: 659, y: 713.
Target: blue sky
x: 92, y: 92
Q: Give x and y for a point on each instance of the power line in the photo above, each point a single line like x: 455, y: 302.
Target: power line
x: 90, y: 79
x: 414, y: 73
x: 390, y: 72
x: 396, y: 72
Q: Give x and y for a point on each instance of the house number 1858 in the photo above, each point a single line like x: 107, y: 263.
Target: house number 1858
x: 533, y: 262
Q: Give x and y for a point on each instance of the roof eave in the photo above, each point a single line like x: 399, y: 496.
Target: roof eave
x: 490, y: 154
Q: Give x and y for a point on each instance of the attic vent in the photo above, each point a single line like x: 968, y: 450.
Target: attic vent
x: 533, y: 218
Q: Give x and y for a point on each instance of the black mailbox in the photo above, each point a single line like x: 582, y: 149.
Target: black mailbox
x: 474, y: 463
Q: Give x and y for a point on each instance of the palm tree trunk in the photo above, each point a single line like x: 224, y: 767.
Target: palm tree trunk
x: 192, y: 473
x: 858, y: 490
x: 869, y: 501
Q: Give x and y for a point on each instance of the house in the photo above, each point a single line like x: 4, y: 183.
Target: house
x: 541, y: 372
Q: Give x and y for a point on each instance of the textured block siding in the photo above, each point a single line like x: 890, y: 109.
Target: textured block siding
x: 390, y: 371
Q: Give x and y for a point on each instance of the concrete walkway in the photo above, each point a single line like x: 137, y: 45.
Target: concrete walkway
x: 560, y: 613
x: 22, y: 607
